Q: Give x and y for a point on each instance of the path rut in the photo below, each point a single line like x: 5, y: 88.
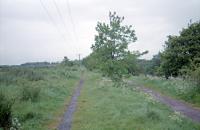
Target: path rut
x: 176, y: 105
x: 67, y: 119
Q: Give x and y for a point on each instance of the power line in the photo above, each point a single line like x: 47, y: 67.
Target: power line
x: 60, y: 15
x: 52, y: 20
x: 71, y: 18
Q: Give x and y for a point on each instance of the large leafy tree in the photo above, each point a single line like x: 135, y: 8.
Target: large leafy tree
x: 111, y: 47
x: 180, y: 51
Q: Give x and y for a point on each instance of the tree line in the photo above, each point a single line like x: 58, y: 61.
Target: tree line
x: 180, y: 58
x: 110, y: 54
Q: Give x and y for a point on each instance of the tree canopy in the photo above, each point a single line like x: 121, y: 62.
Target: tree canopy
x: 110, y: 50
x: 181, y: 51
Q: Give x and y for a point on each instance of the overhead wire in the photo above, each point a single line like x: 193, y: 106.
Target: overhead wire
x: 62, y: 19
x: 72, y: 21
x: 60, y: 16
x: 52, y: 20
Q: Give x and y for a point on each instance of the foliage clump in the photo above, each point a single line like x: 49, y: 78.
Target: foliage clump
x: 30, y: 93
x: 181, y: 51
x: 67, y: 62
x: 110, y: 52
x: 5, y: 111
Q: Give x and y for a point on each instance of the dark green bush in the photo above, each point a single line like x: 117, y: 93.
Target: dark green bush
x: 153, y: 115
x: 30, y: 115
x: 5, y: 111
x: 30, y: 93
x: 195, y: 77
x: 74, y: 69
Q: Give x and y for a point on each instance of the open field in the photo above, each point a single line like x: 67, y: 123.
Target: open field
x: 40, y: 95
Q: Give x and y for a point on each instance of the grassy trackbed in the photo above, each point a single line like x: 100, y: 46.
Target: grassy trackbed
x: 176, y: 88
x: 103, y: 107
x: 40, y: 94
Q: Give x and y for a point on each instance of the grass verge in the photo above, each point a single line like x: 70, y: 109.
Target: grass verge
x: 176, y: 88
x: 103, y: 107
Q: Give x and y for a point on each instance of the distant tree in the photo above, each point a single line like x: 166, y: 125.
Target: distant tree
x: 67, y: 62
x: 155, y: 63
x: 36, y: 64
x: 181, y: 50
x: 150, y: 67
x: 111, y: 47
x: 65, y: 59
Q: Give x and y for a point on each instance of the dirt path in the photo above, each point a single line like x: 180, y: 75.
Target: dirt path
x: 176, y: 105
x: 67, y: 119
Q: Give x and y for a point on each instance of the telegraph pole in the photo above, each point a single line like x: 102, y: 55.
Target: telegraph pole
x: 79, y: 59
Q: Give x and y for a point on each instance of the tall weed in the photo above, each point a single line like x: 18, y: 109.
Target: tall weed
x: 30, y: 93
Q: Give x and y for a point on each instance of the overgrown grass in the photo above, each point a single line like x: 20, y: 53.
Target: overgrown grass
x: 41, y: 94
x: 103, y: 107
x: 5, y: 111
x: 175, y: 87
x: 30, y: 93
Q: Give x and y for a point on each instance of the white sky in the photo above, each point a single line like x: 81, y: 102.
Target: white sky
x: 27, y: 34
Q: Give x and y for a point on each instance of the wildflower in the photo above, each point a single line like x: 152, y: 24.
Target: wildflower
x: 149, y: 98
x: 15, y: 124
x: 176, y: 116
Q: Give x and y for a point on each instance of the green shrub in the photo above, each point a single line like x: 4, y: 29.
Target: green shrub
x: 74, y: 69
x: 34, y: 76
x: 195, y: 77
x: 30, y: 93
x: 30, y: 115
x: 5, y: 111
x: 153, y: 115
x: 192, y: 74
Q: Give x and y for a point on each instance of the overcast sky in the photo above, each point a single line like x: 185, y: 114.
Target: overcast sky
x: 33, y: 31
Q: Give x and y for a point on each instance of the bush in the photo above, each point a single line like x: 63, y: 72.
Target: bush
x: 74, y: 69
x: 30, y: 93
x: 5, y: 111
x: 153, y: 115
x: 195, y: 78
x: 30, y: 115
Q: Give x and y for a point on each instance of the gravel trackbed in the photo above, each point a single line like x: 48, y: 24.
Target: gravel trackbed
x: 67, y: 119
